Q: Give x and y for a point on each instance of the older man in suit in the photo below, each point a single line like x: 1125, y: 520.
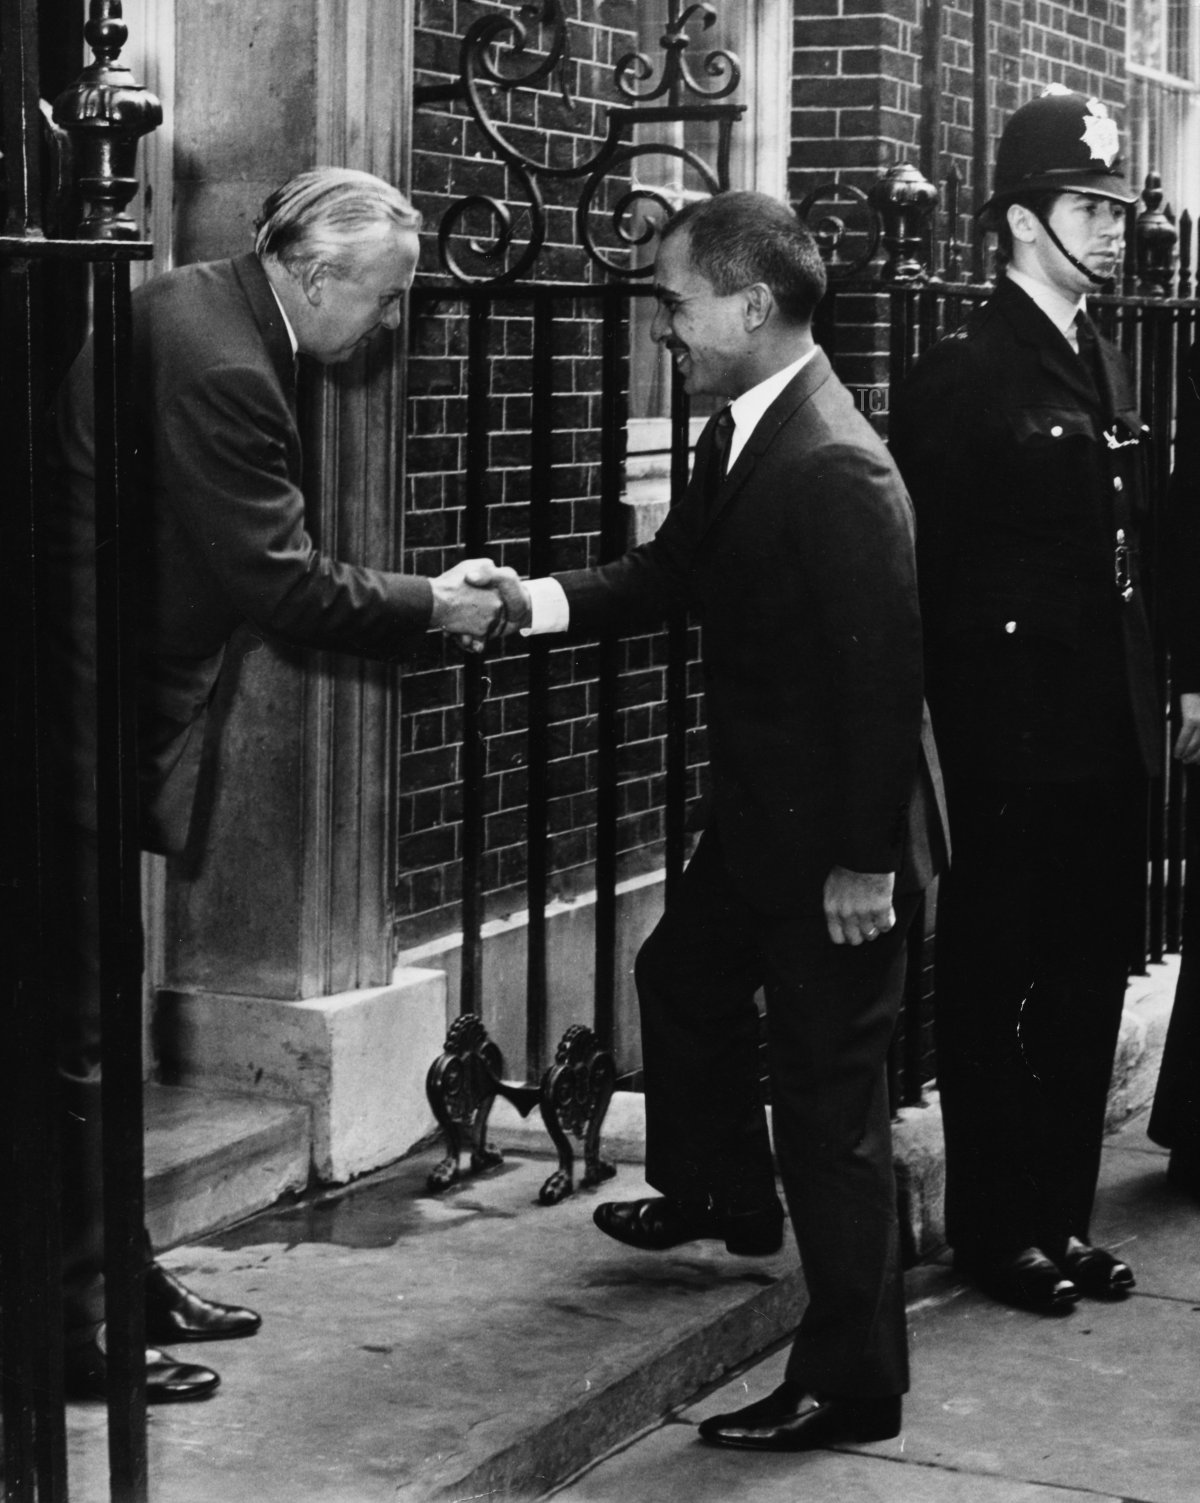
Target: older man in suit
x: 224, y: 543
x: 794, y: 547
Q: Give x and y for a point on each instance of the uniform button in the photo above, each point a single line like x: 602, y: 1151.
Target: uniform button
x: 1010, y: 627
x: 1118, y: 483
x: 1056, y: 431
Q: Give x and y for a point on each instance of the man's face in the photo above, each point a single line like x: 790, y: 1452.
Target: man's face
x: 705, y: 333
x: 346, y: 311
x: 1093, y: 230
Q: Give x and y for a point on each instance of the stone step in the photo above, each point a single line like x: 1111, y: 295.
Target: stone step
x: 212, y: 1159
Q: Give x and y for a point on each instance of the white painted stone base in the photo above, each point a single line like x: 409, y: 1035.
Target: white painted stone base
x: 622, y: 1141
x: 358, y: 1060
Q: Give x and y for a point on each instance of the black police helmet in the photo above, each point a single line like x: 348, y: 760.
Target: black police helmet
x: 1064, y: 142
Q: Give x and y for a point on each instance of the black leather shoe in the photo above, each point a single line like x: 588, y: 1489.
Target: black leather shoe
x: 167, y: 1380
x: 174, y: 1313
x: 1028, y: 1279
x: 657, y: 1223
x: 792, y: 1420
x: 1095, y: 1271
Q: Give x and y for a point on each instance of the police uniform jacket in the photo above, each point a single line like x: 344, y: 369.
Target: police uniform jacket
x: 1026, y: 472
x: 222, y: 533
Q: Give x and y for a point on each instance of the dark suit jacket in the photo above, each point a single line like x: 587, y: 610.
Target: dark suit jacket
x: 223, y: 536
x: 804, y: 585
x: 1037, y: 669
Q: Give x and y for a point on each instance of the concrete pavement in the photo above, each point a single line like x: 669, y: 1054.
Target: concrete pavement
x: 1101, y: 1405
x: 421, y: 1349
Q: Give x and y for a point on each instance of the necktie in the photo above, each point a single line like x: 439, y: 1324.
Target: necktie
x: 1089, y: 351
x: 718, y: 458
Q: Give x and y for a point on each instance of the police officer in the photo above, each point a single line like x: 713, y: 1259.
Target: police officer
x: 1020, y: 443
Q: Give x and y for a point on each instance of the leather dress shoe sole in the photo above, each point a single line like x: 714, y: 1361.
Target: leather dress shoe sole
x: 1029, y: 1280
x: 174, y: 1313
x: 1096, y: 1272
x: 792, y: 1420
x: 657, y: 1223
x: 168, y: 1381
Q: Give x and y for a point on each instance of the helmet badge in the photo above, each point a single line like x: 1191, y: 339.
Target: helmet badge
x: 1100, y: 134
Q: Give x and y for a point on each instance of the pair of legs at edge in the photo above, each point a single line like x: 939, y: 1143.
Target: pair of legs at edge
x: 174, y: 1313
x: 1036, y: 930
x: 831, y: 1010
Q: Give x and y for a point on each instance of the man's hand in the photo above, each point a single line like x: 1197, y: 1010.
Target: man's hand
x: 517, y: 606
x: 515, y: 611
x: 467, y: 605
x: 858, y: 905
x: 1187, y: 744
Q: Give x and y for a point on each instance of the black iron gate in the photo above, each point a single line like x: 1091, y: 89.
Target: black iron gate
x: 47, y: 236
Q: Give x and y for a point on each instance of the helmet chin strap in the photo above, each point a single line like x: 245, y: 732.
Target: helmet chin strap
x: 1093, y: 277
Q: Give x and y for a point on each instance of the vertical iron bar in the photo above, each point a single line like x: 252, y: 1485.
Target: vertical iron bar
x: 475, y: 680
x: 677, y: 662
x: 1155, y: 415
x: 119, y: 892
x: 612, y: 544
x: 538, y: 760
x: 32, y: 1418
x: 1185, y: 254
x: 31, y: 1408
x: 1177, y: 783
x: 930, y: 139
x: 981, y: 151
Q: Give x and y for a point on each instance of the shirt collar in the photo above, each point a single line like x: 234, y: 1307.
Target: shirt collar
x: 1058, y: 309
x: 287, y: 324
x: 749, y: 408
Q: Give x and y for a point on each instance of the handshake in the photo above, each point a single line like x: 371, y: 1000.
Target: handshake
x: 477, y: 601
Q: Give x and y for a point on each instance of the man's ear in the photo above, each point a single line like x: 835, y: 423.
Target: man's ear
x: 759, y: 302
x: 1023, y: 223
x: 312, y: 278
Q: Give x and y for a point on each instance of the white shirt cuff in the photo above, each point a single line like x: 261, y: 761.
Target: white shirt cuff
x: 549, y: 608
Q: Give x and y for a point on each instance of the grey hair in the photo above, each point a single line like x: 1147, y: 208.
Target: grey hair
x: 327, y: 216
x: 738, y: 238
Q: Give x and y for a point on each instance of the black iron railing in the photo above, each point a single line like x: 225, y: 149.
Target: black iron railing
x: 101, y: 145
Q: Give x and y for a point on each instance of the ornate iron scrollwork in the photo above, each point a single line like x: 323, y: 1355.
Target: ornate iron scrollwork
x: 831, y: 229
x: 461, y: 1085
x: 636, y: 67
x: 485, y: 226
x: 896, y: 211
x: 575, y: 1095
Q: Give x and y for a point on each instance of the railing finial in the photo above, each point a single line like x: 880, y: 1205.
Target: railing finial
x: 904, y: 200
x: 105, y: 113
x: 1155, y: 237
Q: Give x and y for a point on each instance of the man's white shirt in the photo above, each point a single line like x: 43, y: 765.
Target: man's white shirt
x: 1060, y: 310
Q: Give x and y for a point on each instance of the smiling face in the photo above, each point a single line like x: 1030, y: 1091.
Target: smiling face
x: 341, y: 313
x: 1091, y: 228
x: 705, y: 332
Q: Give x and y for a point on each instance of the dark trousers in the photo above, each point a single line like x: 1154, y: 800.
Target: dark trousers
x: 1036, y: 925
x: 831, y: 1012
